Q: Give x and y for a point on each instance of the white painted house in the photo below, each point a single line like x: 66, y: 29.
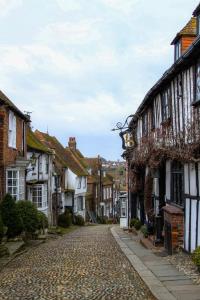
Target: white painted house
x: 39, y: 175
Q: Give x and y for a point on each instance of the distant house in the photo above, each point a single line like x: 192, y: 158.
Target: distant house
x: 107, y: 195
x: 76, y: 158
x: 94, y: 187
x: 13, y: 154
x: 39, y: 175
x: 70, y: 177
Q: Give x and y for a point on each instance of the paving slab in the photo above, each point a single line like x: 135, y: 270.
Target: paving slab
x: 163, y: 279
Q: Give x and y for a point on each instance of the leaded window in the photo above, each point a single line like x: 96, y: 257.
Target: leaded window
x: 177, y: 183
x: 198, y: 81
x: 37, y: 196
x: 166, y: 102
x: 144, y: 125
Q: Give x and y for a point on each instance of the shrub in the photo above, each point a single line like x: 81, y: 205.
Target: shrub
x: 1, y: 228
x: 144, y: 230
x: 196, y: 257
x: 137, y: 224
x: 11, y: 217
x: 110, y: 221
x: 42, y: 221
x: 132, y: 222
x: 78, y: 220
x: 29, y: 215
x: 65, y: 220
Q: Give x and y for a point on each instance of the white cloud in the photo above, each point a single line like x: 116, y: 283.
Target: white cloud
x: 69, y: 5
x: 94, y: 115
x: 8, y: 5
x: 81, y: 32
x: 123, y: 6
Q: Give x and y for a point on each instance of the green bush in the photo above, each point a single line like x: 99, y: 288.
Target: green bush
x: 137, y: 224
x: 65, y: 220
x: 196, y: 256
x: 29, y: 215
x: 11, y: 217
x: 1, y: 228
x: 133, y: 221
x: 144, y: 230
x: 78, y: 220
x: 42, y: 221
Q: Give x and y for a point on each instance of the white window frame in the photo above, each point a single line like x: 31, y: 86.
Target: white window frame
x: 177, y: 50
x: 39, y: 193
x: 79, y: 183
x: 10, y: 186
x: 12, y: 129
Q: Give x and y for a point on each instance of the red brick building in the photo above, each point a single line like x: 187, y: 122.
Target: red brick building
x: 13, y: 159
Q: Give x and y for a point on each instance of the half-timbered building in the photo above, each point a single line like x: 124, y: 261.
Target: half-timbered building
x: 164, y: 156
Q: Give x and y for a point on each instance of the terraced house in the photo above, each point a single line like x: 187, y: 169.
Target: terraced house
x: 69, y: 185
x: 164, y: 156
x: 39, y: 178
x: 13, y: 154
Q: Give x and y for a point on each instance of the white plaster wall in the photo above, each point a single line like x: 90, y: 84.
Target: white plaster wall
x: 33, y: 175
x: 71, y: 180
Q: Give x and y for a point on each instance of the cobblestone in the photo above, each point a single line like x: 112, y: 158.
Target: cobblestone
x: 85, y: 264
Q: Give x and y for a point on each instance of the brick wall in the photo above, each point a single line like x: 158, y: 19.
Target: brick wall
x: 8, y: 155
x: 174, y: 216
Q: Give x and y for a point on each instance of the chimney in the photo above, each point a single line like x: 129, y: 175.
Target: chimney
x: 72, y: 143
x: 185, y: 38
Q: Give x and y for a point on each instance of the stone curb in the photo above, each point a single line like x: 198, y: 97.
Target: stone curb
x: 159, y: 291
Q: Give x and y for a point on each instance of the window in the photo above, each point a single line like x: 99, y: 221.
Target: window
x: 177, y: 50
x: 47, y: 165
x: 79, y: 183
x: 84, y: 182
x: 80, y: 203
x: 165, y: 103
x: 153, y: 125
x: 13, y: 183
x: 36, y: 192
x: 40, y: 163
x: 12, y: 130
x: 198, y: 24
x: 144, y: 125
x: 198, y: 81
x: 177, y: 183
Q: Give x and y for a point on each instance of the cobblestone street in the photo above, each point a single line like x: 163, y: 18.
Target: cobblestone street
x: 85, y: 264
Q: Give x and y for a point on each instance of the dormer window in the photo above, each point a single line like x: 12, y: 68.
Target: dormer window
x: 177, y: 50
x: 198, y: 24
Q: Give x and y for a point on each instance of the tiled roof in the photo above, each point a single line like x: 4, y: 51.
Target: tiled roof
x: 34, y: 143
x: 5, y: 100
x: 78, y: 156
x: 64, y: 157
x: 107, y: 180
x: 75, y: 163
x: 189, y: 30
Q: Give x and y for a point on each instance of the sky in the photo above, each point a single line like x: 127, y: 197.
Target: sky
x: 81, y: 66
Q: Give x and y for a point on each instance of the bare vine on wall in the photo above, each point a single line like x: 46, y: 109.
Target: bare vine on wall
x: 162, y: 144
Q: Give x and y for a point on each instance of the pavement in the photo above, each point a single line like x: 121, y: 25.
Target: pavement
x: 84, y: 264
x: 162, y: 278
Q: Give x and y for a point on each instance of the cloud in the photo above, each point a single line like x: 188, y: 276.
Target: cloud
x: 68, y: 5
x: 94, y: 115
x: 121, y: 6
x: 6, y: 6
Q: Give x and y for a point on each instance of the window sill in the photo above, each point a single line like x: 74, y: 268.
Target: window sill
x: 174, y: 204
